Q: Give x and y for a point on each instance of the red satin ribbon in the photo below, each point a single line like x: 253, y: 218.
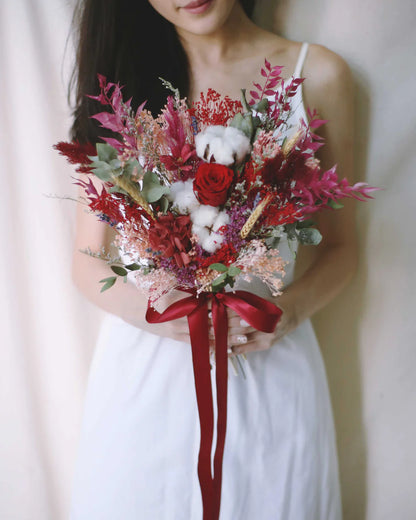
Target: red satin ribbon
x: 260, y: 314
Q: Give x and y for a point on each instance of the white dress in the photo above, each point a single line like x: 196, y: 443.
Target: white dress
x: 138, y: 451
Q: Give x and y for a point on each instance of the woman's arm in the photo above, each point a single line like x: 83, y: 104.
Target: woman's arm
x: 123, y: 299
x: 329, y: 89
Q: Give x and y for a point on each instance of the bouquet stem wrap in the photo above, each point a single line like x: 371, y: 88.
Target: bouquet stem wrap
x: 260, y: 314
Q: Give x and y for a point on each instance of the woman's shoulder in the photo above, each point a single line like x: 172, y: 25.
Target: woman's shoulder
x: 321, y: 66
x: 324, y: 66
x: 327, y: 75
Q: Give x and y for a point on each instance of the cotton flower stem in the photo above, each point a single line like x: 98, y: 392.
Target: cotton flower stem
x: 252, y: 219
x: 129, y: 187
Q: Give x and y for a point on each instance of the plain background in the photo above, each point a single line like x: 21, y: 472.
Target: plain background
x: 48, y: 330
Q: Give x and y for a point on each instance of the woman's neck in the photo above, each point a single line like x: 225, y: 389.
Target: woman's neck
x: 228, y: 43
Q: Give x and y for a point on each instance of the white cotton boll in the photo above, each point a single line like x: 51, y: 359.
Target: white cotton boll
x: 175, y: 188
x: 221, y: 151
x: 238, y: 142
x: 183, y: 197
x: 204, y: 215
x: 186, y: 202
x: 201, y: 143
x: 212, y: 242
x: 222, y: 220
x: 201, y: 232
x: 225, y: 145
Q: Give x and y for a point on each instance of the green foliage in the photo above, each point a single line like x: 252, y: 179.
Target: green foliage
x: 219, y: 267
x: 131, y: 167
x: 303, y: 233
x: 335, y: 205
x: 108, y: 283
x: 119, y: 271
x: 106, y: 165
x: 152, y: 190
x: 164, y: 204
x: 262, y: 106
x: 309, y: 236
x: 248, y: 123
x: 133, y: 267
x: 106, y: 152
x: 226, y: 278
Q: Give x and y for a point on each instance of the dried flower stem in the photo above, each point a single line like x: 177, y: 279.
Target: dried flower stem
x: 128, y: 186
x: 252, y: 219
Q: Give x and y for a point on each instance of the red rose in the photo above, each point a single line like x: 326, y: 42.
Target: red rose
x: 171, y: 236
x: 212, y: 182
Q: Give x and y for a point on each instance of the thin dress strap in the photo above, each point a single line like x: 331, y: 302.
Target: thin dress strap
x: 301, y: 60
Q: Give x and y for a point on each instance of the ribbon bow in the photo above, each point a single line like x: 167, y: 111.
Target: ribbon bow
x: 261, y: 315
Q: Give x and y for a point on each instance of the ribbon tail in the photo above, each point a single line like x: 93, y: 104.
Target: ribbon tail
x: 199, y: 332
x: 220, y: 323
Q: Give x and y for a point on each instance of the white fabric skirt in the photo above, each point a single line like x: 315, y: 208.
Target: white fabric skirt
x: 139, y: 442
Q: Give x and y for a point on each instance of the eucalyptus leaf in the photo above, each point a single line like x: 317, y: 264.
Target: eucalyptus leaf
x: 154, y: 192
x: 103, y: 172
x: 108, y: 283
x: 247, y: 126
x: 237, y: 120
x: 309, y: 236
x: 290, y: 230
x: 220, y: 280
x: 233, y: 270
x: 117, y: 189
x: 150, y: 178
x: 115, y: 164
x: 221, y: 268
x: 120, y: 271
x: 106, y: 152
x: 256, y: 122
x: 164, y: 204
x: 133, y: 267
x: 130, y: 167
x: 152, y: 189
x: 261, y: 106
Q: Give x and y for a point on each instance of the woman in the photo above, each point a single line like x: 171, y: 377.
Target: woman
x: 140, y: 436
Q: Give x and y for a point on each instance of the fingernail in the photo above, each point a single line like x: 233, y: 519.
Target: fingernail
x: 243, y: 323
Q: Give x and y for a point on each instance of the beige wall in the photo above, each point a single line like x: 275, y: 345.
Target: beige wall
x: 368, y: 334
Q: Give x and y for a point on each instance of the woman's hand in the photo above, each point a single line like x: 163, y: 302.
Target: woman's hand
x: 243, y: 339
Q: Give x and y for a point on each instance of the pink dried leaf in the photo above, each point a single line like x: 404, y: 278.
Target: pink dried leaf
x: 114, y: 143
x: 109, y: 121
x: 272, y: 83
x: 316, y: 123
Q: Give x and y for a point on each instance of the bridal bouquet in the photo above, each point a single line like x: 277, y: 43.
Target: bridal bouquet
x: 199, y: 197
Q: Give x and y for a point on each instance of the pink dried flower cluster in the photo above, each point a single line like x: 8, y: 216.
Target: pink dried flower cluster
x: 263, y: 263
x: 266, y: 146
x: 155, y: 284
